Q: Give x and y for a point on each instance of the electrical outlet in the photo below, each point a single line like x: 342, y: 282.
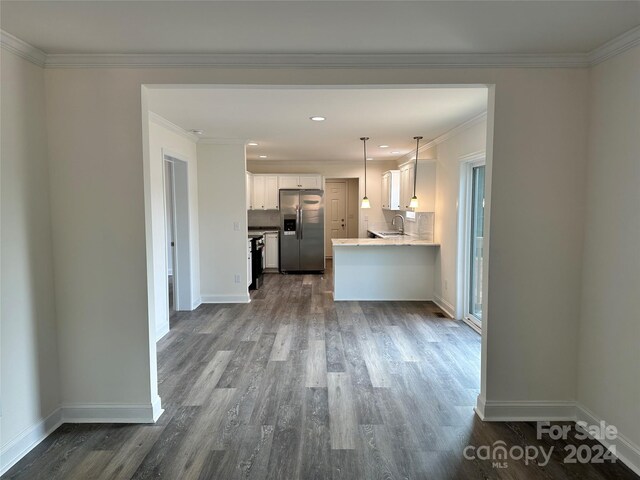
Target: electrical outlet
x: 236, y: 227
x: 366, y: 218
x: 237, y: 278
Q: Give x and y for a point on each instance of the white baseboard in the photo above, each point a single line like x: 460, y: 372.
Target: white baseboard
x: 162, y: 331
x: 525, y: 411
x: 626, y: 451
x: 444, y: 305
x: 225, y: 298
x: 17, y: 448
x: 196, y: 303
x: 22, y: 444
x: 111, y: 413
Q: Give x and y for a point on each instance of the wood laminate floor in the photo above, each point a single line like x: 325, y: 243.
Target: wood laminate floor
x: 295, y: 386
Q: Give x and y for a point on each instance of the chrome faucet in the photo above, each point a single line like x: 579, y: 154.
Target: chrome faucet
x: 393, y: 222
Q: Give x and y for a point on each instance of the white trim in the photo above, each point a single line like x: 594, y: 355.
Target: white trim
x: 22, y: 49
x: 530, y: 411
x: 525, y: 410
x: 163, y: 122
x: 226, y: 298
x: 320, y: 60
x: 196, y: 303
x: 223, y: 141
x: 615, y: 46
x: 162, y: 331
x: 457, y: 130
x: 444, y: 305
x: 111, y: 413
x: 473, y: 157
x: 626, y: 451
x: 23, y: 443
x: 475, y: 326
x: 279, y: 60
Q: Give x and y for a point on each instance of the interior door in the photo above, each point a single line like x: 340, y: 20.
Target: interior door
x: 336, y: 214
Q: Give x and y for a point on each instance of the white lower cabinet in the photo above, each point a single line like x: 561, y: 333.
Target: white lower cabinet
x: 271, y: 248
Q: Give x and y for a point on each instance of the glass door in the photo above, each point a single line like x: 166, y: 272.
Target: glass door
x: 476, y: 236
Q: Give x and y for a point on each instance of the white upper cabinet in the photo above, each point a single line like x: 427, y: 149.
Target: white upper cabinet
x: 300, y: 181
x: 391, y: 190
x: 265, y: 192
x: 249, y: 189
x: 425, y: 185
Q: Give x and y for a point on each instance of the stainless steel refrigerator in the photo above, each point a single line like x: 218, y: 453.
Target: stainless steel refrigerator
x: 301, y: 230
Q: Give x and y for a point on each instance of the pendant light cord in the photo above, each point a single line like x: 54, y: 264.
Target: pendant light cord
x: 364, y: 141
x: 415, y: 170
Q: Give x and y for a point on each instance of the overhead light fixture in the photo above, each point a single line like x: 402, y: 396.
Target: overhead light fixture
x: 365, y: 200
x: 383, y: 146
x: 395, y: 152
x: 197, y: 131
x: 252, y: 144
x: 317, y: 118
x: 263, y: 156
x: 414, y: 200
x: 369, y: 159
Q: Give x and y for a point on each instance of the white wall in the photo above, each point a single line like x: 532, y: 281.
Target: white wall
x: 609, y: 372
x: 535, y: 178
x: 222, y: 203
x: 29, y: 373
x: 448, y: 154
x: 372, y: 216
x: 164, y: 139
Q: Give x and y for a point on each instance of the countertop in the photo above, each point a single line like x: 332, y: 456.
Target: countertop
x: 399, y: 241
x: 264, y: 229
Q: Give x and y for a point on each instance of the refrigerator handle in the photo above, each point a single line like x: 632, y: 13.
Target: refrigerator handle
x: 297, y: 223
x: 301, y: 230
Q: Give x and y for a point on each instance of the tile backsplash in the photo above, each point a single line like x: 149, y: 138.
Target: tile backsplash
x: 423, y: 225
x: 263, y: 218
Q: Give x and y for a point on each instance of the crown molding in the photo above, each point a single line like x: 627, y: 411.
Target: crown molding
x: 442, y: 138
x: 223, y: 141
x: 615, y: 47
x: 159, y: 120
x: 268, y: 60
x: 22, y: 49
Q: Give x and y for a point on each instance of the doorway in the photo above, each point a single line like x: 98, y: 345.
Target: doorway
x: 177, y: 233
x: 341, y: 205
x: 473, y: 214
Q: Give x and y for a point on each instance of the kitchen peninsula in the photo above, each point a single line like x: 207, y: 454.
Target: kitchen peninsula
x: 397, y: 268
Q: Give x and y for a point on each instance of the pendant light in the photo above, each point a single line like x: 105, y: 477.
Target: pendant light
x: 365, y: 200
x: 414, y: 200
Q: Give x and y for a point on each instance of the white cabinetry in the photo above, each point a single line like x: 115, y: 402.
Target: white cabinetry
x: 425, y: 185
x: 391, y: 190
x: 265, y: 192
x: 271, y: 249
x: 300, y: 181
x: 407, y: 173
x: 249, y: 188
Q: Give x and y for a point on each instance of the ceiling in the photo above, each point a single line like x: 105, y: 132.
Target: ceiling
x: 341, y: 27
x: 278, y: 118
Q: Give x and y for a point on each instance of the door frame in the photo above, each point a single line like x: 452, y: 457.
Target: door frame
x: 345, y: 181
x: 181, y: 231
x: 467, y: 164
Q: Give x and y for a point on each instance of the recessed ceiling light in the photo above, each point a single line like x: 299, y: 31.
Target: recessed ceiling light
x: 263, y: 156
x: 317, y: 118
x: 396, y: 152
x: 197, y: 131
x: 383, y: 146
x: 369, y: 158
x: 252, y: 144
